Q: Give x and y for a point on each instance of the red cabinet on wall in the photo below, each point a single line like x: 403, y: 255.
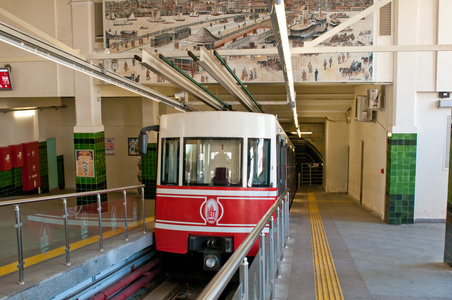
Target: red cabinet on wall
x: 5, y: 158
x: 17, y: 156
x: 31, y: 175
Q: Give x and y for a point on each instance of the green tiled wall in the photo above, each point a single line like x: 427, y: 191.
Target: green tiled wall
x: 400, y: 178
x: 92, y: 141
x: 149, y: 171
x: 6, y: 183
x: 448, y: 242
x: 43, y: 167
x: 60, y: 164
x: 17, y: 181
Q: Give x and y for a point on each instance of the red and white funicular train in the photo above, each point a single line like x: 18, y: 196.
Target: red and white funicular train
x: 218, y: 174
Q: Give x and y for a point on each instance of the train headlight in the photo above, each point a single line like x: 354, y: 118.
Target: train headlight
x: 211, y: 262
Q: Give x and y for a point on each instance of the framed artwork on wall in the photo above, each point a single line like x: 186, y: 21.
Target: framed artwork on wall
x: 133, y: 147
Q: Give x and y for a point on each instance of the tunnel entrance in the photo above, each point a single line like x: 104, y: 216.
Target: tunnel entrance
x: 309, y: 164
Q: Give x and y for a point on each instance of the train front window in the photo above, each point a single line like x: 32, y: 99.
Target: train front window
x: 170, y: 161
x: 258, y: 162
x: 213, y: 161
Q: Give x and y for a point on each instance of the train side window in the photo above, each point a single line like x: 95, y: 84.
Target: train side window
x: 170, y: 161
x: 258, y: 162
x: 213, y: 161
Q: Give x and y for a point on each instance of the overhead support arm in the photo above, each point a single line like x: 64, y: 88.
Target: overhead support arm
x: 143, y: 138
x: 165, y: 68
x: 33, y: 45
x: 213, y: 65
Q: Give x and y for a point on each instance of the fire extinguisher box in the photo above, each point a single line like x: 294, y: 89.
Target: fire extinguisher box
x: 17, y: 156
x: 5, y: 158
x: 31, y: 175
x: 30, y: 152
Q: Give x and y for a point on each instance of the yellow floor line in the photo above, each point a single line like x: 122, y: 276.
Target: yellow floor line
x: 12, y: 267
x: 326, y: 281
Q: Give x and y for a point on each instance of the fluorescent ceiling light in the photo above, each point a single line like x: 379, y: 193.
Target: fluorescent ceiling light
x: 24, y: 113
x: 278, y: 17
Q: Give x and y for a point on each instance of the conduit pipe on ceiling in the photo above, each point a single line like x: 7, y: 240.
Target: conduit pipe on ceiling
x: 21, y: 40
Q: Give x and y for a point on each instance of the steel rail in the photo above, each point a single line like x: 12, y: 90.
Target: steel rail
x: 218, y: 283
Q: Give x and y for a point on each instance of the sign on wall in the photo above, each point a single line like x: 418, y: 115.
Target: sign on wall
x: 84, y: 160
x: 109, y: 146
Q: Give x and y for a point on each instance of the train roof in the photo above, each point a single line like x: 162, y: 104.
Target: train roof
x: 221, y: 124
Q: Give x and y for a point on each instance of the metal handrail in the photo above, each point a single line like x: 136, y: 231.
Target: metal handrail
x: 218, y: 283
x: 71, y: 195
x: 64, y: 198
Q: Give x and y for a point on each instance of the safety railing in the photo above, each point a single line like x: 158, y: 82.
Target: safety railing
x: 268, y: 266
x: 311, y: 174
x: 56, y: 217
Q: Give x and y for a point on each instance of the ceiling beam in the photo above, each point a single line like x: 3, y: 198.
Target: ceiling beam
x: 21, y: 40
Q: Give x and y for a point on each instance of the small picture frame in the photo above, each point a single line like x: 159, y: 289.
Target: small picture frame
x: 133, y: 147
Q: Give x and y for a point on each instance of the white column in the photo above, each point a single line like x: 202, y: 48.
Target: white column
x: 87, y: 98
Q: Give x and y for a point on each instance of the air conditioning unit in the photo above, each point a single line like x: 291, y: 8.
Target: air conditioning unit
x: 362, y: 112
x: 375, y: 99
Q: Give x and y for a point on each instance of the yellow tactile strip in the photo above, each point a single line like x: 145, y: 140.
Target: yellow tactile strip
x: 326, y: 281
x: 12, y: 267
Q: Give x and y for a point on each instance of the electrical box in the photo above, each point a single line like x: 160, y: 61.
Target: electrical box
x: 5, y: 158
x: 17, y: 156
x: 362, y: 112
x: 31, y: 174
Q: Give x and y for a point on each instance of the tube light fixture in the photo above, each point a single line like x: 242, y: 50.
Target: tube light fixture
x: 278, y: 17
x: 24, y: 113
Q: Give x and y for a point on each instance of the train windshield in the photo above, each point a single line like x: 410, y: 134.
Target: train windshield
x: 213, y: 161
x: 258, y: 162
x: 170, y: 161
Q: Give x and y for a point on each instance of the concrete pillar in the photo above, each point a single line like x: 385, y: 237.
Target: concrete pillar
x: 402, y: 141
x: 89, y: 137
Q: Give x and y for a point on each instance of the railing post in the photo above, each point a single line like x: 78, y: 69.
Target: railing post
x: 287, y: 217
x: 262, y: 264
x: 66, y: 233
x: 125, y: 216
x: 244, y: 278
x: 20, y: 255
x: 272, y: 258
x: 99, y: 210
x: 282, y: 225
x: 278, y: 242
x: 310, y: 175
x: 144, y: 212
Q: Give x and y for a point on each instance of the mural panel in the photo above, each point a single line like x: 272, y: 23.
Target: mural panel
x: 186, y: 25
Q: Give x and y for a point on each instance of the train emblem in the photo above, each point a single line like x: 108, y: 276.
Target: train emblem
x: 211, y: 211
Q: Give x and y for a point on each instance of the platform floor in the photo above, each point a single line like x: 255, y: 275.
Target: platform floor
x: 372, y: 260
x: 355, y: 256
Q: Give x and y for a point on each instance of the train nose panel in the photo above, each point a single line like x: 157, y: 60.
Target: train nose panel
x: 211, y: 243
